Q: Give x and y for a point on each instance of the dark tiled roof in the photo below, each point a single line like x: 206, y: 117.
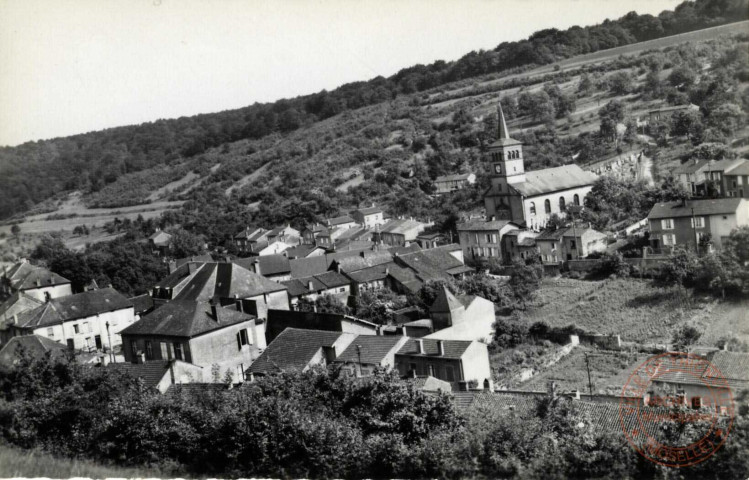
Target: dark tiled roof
x: 374, y: 349
x: 340, y: 220
x: 731, y: 365
x: 741, y: 169
x: 430, y: 264
x: 273, y: 264
x: 406, y: 277
x: 296, y: 287
x: 142, y: 303
x: 370, y: 210
x: 24, y: 276
x: 293, y: 349
x: 548, y: 180
x: 206, y: 257
x: 454, y: 349
x: 151, y: 372
x: 19, y: 302
x: 184, y: 318
x: 34, y: 345
x: 445, y: 302
x: 71, y: 307
x: 306, y: 267
x: 452, y: 178
x: 717, y: 206
x: 364, y: 260
x: 483, y: 226
x: 378, y: 272
x: 333, y: 279
x: 218, y: 280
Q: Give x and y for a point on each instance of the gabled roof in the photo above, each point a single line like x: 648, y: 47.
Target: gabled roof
x: 452, y: 178
x: 430, y: 264
x: 364, y: 260
x: 300, y: 251
x: 24, y: 276
x: 370, y: 274
x: 269, y: 264
x: 72, y: 307
x: 160, y: 238
x: 293, y: 349
x: 549, y: 180
x: 333, y: 279
x: 401, y: 226
x: 484, y: 226
x: 406, y: 277
x: 206, y: 257
x: 340, y: 220
x: 726, y: 165
x: 306, y: 267
x: 690, y: 167
x: 34, y: 345
x: 279, y: 230
x: 184, y: 318
x: 445, y: 302
x: 296, y: 287
x: 716, y: 206
x: 142, y: 303
x: 740, y: 169
x: 731, y: 365
x: 370, y: 210
x: 251, y: 234
x: 217, y: 280
x: 17, y: 303
x: 373, y: 349
x: 150, y: 372
x: 454, y: 349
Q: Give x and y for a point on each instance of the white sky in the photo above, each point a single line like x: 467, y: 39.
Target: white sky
x: 71, y: 66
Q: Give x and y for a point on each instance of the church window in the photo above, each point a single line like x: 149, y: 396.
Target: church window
x: 561, y: 204
x: 533, y: 208
x: 547, y: 206
x: 576, y: 199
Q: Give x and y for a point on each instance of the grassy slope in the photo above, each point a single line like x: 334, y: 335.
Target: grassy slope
x: 30, y: 464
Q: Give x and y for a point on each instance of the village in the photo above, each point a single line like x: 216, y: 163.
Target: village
x: 280, y: 305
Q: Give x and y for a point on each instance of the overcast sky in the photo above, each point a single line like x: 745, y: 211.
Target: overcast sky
x: 74, y: 66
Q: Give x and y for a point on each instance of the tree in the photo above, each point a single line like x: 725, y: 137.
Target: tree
x: 610, y: 115
x: 186, y: 244
x: 726, y: 118
x: 525, y: 280
x: 682, y: 77
x: 685, y: 336
x: 679, y: 268
x: 15, y: 229
x: 685, y: 123
x: 621, y: 83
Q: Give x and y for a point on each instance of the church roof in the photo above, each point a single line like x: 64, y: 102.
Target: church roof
x: 548, y: 180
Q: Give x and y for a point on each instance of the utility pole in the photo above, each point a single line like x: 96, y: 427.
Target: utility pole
x: 109, y: 340
x: 358, y: 354
x: 694, y: 229
x: 587, y: 365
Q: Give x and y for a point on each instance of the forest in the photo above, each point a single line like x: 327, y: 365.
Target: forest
x: 35, y: 171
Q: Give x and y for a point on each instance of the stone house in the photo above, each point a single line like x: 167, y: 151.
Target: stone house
x: 482, y: 239
x: 448, y: 360
x: 568, y: 243
x: 451, y: 183
x: 33, y: 281
x: 369, y: 217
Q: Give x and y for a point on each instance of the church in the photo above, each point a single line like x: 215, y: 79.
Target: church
x: 529, y: 199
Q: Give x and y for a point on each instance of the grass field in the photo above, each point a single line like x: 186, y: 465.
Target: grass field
x: 15, y: 463
x: 628, y: 307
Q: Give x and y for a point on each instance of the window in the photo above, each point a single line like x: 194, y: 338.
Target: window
x: 533, y: 208
x: 488, y: 238
x: 573, y: 245
x: 86, y: 327
x: 342, y: 289
x: 547, y: 206
x: 149, y: 350
x: 164, y: 351
x: 242, y: 338
x: 476, y: 237
x: 134, y: 347
x: 430, y: 370
x: 669, y: 239
x: 740, y: 180
x: 576, y: 199
x: 51, y: 332
x: 553, y: 246
x: 494, y: 238
x: 76, y: 329
x: 178, y: 351
x: 667, y: 224
x: 449, y: 373
x: 561, y: 204
x: 698, y: 222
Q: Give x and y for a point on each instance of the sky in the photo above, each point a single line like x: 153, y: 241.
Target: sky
x: 73, y: 66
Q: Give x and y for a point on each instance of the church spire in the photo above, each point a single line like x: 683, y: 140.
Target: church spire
x: 501, y: 122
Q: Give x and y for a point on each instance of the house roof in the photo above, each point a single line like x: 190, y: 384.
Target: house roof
x: 206, y: 257
x: 72, y: 307
x: 306, y: 267
x: 269, y: 264
x: 142, y: 303
x: 343, y: 219
x: 454, y: 349
x: 19, y: 302
x: 251, y: 234
x: 374, y: 349
x: 430, y: 264
x: 371, y: 274
x: 293, y: 349
x: 23, y: 276
x: 452, y: 178
x: 160, y: 238
x: 716, y: 206
x: 740, y: 169
x: 731, y: 365
x: 333, y: 279
x: 549, y: 180
x: 445, y: 302
x: 401, y: 226
x: 370, y: 210
x: 430, y: 236
x: 185, y: 318
x: 296, y: 287
x: 483, y: 225
x: 364, y: 260
x: 406, y: 277
x: 690, y: 167
x: 34, y: 345
x: 726, y: 165
x: 150, y: 372
x: 218, y: 280
x: 300, y: 251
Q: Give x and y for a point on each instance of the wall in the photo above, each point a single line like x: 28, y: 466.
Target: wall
x: 182, y: 372
x: 220, y: 348
x: 351, y: 326
x: 541, y: 218
x: 468, y: 242
x: 55, y: 291
x: 477, y: 323
x: 441, y: 367
x: 582, y: 265
x: 476, y: 363
x: 279, y: 320
x: 118, y: 320
x: 275, y: 300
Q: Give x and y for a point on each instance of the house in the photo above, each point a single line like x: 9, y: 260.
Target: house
x: 317, y: 235
x: 352, y: 238
x: 370, y: 278
x: 367, y: 352
x: 36, y: 282
x: 16, y: 304
x: 160, y: 242
x: 413, y: 269
x: 716, y: 171
x: 691, y: 175
x: 285, y: 234
x: 430, y: 240
x: 298, y: 350
x: 85, y: 321
x: 161, y: 375
x: 519, y: 245
x: 569, y: 243
x: 142, y: 304
x: 35, y: 346
x: 304, y: 251
x: 369, y: 217
x: 262, y: 249
x: 311, y: 288
x: 272, y: 267
x: 197, y: 332
x: 245, y: 239
x: 525, y: 198
x: 736, y: 180
x: 451, y: 183
x: 280, y: 320
x: 223, y: 282
x: 400, y: 232
x: 666, y: 112
x: 690, y: 223
x: 175, y: 264
x: 342, y: 222
x: 482, y: 239
x: 448, y: 360
x: 466, y: 317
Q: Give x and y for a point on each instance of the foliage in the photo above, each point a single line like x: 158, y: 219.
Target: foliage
x: 685, y: 336
x: 324, y: 304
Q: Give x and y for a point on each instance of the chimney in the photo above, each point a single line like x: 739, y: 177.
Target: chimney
x: 310, y: 286
x: 38, y: 283
x: 441, y: 347
x: 387, y: 271
x: 551, y: 388
x: 257, y: 267
x: 575, y: 394
x: 214, y: 310
x: 420, y: 345
x: 338, y: 268
x: 15, y: 318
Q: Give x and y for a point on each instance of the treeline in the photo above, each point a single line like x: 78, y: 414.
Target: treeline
x: 324, y: 424
x: 35, y: 171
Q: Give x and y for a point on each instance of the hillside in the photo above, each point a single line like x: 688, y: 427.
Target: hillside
x: 387, y: 139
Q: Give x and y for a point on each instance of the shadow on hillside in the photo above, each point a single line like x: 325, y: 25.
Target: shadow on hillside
x: 652, y: 299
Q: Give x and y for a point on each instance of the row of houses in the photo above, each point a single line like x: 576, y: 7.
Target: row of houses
x: 728, y: 177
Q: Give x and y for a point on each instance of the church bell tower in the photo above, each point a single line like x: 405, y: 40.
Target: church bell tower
x: 505, y: 155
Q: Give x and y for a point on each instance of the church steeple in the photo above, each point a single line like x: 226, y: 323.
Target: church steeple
x: 502, y: 125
